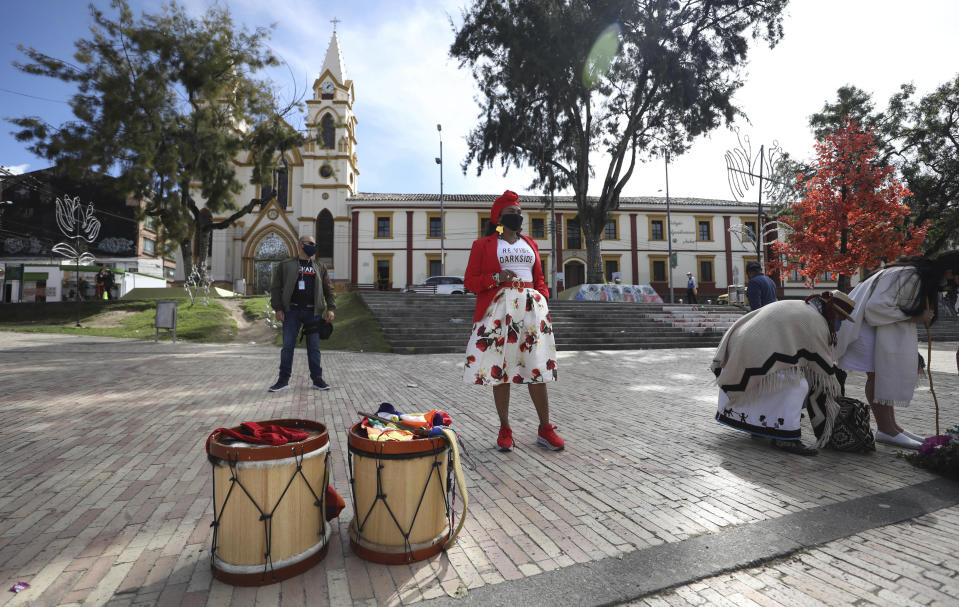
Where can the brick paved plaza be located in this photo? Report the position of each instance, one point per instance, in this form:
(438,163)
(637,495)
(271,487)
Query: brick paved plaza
(106,495)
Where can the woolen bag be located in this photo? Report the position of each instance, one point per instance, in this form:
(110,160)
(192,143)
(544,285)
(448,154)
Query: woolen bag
(851,431)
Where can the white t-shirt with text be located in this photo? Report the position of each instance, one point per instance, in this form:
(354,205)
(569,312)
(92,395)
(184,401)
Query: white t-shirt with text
(517,257)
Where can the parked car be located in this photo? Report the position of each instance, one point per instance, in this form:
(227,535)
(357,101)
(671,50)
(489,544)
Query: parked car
(440,285)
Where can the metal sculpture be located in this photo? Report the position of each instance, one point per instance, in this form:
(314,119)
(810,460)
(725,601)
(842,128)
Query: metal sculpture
(747,172)
(199,284)
(81,225)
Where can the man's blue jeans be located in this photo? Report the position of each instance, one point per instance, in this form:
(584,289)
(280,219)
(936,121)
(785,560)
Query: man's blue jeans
(292,321)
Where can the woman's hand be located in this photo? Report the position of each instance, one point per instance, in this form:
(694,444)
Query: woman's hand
(506,276)
(925,317)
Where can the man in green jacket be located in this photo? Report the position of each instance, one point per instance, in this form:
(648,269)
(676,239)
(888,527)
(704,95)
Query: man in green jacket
(300,291)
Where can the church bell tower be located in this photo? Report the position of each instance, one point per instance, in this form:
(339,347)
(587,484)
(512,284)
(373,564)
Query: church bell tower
(330,161)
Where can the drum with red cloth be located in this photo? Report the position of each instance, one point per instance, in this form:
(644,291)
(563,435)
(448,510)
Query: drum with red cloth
(269,500)
(401,497)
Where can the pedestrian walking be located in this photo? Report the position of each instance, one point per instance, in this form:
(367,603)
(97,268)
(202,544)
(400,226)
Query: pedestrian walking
(692,288)
(512,337)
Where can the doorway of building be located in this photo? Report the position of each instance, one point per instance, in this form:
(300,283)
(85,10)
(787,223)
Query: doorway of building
(324,237)
(574,273)
(271,249)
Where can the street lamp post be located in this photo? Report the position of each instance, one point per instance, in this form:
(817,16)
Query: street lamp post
(669,235)
(439,161)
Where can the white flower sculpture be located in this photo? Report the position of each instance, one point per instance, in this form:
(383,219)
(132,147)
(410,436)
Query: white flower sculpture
(77,223)
(199,283)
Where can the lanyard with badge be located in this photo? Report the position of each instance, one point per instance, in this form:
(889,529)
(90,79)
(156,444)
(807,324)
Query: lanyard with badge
(301,284)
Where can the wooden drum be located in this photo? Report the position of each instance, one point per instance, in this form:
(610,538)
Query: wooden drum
(269,507)
(401,509)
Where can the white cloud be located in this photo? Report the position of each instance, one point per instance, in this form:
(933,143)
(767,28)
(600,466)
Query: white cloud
(17,169)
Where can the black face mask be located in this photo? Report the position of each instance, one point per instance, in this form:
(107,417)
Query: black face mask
(309,249)
(513,221)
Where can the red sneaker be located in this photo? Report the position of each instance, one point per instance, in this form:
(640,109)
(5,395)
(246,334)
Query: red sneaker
(504,442)
(549,439)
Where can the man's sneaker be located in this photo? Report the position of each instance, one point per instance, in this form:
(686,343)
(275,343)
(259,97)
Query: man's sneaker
(319,384)
(281,384)
(549,439)
(504,442)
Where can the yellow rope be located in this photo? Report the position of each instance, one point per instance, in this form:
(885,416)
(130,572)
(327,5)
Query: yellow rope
(460,484)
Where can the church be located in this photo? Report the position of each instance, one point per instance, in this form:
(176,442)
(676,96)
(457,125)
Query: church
(389,241)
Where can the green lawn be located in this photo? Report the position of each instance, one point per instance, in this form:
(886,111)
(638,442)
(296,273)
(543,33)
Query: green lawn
(199,323)
(354,327)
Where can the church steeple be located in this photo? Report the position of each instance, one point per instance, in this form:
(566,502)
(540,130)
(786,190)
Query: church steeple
(333,128)
(334,61)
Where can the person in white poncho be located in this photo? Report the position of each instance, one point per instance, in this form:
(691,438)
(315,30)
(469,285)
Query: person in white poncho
(771,360)
(881,338)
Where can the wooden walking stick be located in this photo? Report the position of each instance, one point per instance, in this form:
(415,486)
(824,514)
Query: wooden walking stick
(929,366)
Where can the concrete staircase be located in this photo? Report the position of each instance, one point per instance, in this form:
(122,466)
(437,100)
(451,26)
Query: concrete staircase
(425,324)
(697,319)
(946,328)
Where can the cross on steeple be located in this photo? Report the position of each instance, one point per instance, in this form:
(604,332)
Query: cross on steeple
(334,21)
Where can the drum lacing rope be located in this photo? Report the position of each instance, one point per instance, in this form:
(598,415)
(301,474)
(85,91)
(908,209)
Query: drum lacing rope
(267,519)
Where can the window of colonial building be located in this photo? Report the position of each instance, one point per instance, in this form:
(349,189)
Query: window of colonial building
(705,267)
(384,225)
(435,226)
(537,226)
(657,228)
(749,229)
(574,234)
(704,229)
(434,265)
(611,232)
(657,268)
(483,225)
(610,265)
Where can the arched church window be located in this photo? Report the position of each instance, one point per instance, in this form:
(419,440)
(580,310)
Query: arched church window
(327,132)
(281,184)
(271,249)
(324,235)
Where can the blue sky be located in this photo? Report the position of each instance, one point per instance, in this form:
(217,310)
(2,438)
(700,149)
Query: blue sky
(396,52)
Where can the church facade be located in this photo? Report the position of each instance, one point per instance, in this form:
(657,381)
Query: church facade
(393,240)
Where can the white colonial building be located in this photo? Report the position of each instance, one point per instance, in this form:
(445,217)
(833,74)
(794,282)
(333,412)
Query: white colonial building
(392,240)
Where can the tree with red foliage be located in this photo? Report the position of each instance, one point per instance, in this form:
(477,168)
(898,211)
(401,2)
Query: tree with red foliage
(852,214)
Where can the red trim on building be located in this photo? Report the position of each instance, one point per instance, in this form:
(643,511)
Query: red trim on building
(560,284)
(634,246)
(409,247)
(729,251)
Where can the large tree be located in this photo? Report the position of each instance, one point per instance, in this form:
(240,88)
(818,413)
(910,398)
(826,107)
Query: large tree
(561,88)
(920,138)
(928,159)
(851,215)
(167,102)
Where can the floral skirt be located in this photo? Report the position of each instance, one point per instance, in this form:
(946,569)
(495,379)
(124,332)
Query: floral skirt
(513,342)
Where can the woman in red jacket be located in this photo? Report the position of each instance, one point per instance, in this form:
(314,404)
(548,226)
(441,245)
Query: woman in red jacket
(512,338)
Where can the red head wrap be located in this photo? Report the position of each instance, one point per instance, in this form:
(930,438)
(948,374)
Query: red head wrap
(508,199)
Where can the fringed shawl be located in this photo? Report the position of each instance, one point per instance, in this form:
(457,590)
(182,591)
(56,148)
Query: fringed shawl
(771,348)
